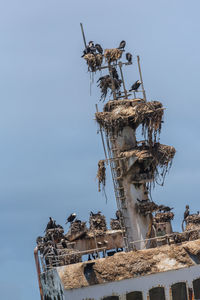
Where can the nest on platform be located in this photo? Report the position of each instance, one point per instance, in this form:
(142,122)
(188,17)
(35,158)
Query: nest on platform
(54,234)
(68,256)
(101,175)
(146,207)
(115,224)
(106,84)
(155,160)
(78,226)
(163,217)
(180,237)
(94,61)
(128,113)
(112,55)
(193,219)
(97,222)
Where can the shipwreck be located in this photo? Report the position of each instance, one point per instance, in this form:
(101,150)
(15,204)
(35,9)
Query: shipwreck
(137,256)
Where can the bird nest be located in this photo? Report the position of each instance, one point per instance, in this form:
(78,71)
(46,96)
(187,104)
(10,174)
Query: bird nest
(97,222)
(159,153)
(194,219)
(180,237)
(78,226)
(163,217)
(68,256)
(107,83)
(101,174)
(115,224)
(112,55)
(154,161)
(193,225)
(129,113)
(146,208)
(94,61)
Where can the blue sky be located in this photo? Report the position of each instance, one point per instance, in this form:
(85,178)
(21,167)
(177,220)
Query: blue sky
(49,146)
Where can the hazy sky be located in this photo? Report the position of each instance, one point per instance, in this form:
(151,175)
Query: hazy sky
(49,146)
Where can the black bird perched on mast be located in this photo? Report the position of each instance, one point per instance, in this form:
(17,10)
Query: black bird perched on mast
(122,45)
(92,47)
(51,224)
(71,218)
(135,86)
(129,57)
(114,73)
(86,51)
(99,48)
(118,214)
(187,212)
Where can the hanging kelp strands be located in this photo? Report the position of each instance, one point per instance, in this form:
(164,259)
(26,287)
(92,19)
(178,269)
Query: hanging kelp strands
(101,174)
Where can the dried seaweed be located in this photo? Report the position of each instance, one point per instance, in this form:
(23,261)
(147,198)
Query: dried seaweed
(106,83)
(78,226)
(112,55)
(146,207)
(94,61)
(193,219)
(115,224)
(163,217)
(130,113)
(101,174)
(152,162)
(97,222)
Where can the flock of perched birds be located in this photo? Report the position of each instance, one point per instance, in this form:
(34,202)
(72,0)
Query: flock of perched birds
(54,241)
(111,81)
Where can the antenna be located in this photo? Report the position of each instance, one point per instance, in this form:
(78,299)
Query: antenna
(109,67)
(83,34)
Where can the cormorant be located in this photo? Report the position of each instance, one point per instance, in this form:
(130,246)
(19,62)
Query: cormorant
(187,212)
(129,57)
(118,214)
(135,86)
(71,218)
(114,73)
(91,44)
(92,47)
(50,224)
(122,45)
(99,48)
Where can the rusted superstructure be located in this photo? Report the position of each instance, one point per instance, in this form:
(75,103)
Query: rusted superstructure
(137,257)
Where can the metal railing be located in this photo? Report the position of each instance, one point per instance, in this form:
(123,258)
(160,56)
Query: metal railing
(166,236)
(50,260)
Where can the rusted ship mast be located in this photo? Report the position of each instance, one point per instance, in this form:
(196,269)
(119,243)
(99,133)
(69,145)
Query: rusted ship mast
(139,257)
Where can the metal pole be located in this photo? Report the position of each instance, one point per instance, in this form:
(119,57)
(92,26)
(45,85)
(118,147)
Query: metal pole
(83,34)
(104,148)
(38,271)
(144,94)
(120,67)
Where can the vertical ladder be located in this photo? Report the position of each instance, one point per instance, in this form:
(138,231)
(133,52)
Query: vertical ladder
(119,191)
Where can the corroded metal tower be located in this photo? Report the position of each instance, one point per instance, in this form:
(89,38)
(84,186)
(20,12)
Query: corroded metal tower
(134,165)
